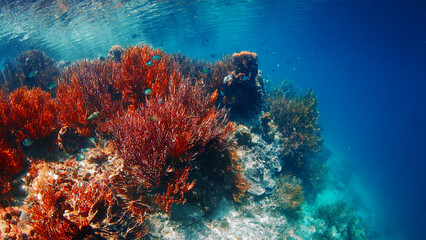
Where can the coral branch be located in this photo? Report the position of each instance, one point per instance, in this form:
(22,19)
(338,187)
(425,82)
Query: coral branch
(33,114)
(88,87)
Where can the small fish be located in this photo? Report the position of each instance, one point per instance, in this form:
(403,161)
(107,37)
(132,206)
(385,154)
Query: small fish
(205,70)
(149,63)
(80,157)
(93,115)
(32,74)
(154,118)
(222,93)
(84,150)
(156,57)
(51,86)
(244,78)
(27,142)
(160,101)
(92,140)
(148,91)
(134,35)
(213,55)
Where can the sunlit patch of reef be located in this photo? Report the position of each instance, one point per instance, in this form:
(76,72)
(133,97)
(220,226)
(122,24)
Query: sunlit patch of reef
(146,144)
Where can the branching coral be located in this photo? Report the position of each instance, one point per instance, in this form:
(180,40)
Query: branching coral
(11,163)
(33,114)
(297,120)
(85,88)
(219,174)
(242,89)
(34,69)
(210,74)
(158,136)
(245,66)
(296,117)
(289,195)
(144,68)
(65,207)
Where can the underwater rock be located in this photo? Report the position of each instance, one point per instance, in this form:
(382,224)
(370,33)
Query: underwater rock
(261,161)
(115,53)
(96,155)
(243,88)
(250,221)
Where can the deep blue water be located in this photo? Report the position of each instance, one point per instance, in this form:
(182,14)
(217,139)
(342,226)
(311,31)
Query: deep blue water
(365,60)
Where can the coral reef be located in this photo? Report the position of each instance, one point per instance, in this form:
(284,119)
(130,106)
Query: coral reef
(260,160)
(289,196)
(184,124)
(245,66)
(340,221)
(140,72)
(11,163)
(219,174)
(70,139)
(210,74)
(33,114)
(33,69)
(86,88)
(69,201)
(296,117)
(144,132)
(243,88)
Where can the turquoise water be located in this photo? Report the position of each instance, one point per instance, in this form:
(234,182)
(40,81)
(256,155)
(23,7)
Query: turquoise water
(364,59)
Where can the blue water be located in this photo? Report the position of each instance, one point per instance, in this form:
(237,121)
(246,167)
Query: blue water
(365,60)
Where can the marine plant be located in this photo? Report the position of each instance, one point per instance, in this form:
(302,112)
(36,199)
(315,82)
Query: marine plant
(211,74)
(88,95)
(62,209)
(33,114)
(66,205)
(159,140)
(11,163)
(289,196)
(33,68)
(296,117)
(243,89)
(219,174)
(145,69)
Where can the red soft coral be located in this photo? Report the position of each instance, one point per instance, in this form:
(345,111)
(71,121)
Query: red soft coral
(87,87)
(170,131)
(141,71)
(33,114)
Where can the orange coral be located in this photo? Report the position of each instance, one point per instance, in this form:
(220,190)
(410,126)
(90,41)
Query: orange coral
(11,163)
(175,190)
(184,120)
(245,65)
(65,209)
(33,114)
(87,87)
(139,72)
(297,119)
